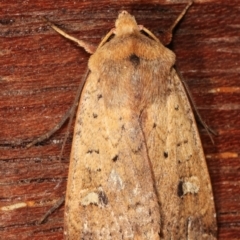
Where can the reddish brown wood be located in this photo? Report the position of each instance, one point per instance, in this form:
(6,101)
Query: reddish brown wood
(39,75)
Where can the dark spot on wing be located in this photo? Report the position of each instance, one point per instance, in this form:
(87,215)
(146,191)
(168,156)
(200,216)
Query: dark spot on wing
(165,154)
(102,197)
(179,189)
(115,158)
(95,115)
(90,151)
(135,60)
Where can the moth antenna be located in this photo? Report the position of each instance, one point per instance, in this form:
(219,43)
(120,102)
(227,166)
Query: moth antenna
(169,32)
(90,48)
(180,17)
(141,27)
(111,32)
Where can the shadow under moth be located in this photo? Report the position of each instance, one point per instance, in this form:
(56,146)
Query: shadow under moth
(137,167)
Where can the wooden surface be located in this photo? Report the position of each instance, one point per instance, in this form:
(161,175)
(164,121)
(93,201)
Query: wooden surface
(39,75)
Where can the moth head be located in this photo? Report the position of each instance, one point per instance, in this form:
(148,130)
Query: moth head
(125,24)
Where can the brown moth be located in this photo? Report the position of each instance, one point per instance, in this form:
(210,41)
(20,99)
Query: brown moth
(137,168)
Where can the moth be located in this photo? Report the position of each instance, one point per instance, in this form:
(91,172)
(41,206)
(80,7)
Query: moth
(137,167)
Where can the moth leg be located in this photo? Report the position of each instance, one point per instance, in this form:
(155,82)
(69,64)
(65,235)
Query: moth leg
(53,130)
(90,48)
(51,210)
(169,32)
(69,113)
(197,114)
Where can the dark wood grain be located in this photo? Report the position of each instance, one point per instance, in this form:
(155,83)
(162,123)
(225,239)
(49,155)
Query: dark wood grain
(39,75)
